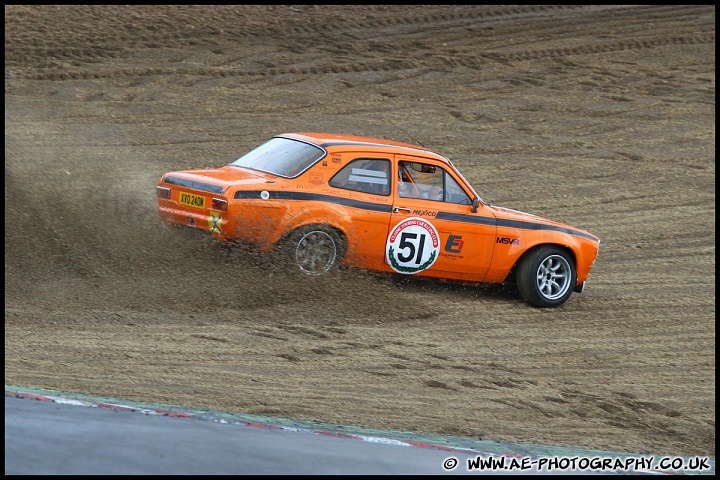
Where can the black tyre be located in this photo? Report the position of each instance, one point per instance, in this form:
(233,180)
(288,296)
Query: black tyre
(315,249)
(546,276)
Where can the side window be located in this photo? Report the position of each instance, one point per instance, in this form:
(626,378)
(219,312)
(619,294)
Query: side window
(422,180)
(454,192)
(368,175)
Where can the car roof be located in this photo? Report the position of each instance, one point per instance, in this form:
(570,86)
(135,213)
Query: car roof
(326,140)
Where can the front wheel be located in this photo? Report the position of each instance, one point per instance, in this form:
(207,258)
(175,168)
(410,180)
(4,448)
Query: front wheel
(546,276)
(315,249)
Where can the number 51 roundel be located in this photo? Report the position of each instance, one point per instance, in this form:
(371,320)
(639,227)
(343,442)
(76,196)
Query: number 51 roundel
(413,246)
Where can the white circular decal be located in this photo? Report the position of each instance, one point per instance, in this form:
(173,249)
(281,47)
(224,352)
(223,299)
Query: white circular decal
(264,194)
(413,246)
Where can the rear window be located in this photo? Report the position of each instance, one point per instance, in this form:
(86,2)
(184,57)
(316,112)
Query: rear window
(284,157)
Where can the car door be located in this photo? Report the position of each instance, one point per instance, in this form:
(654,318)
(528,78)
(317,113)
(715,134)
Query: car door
(433,231)
(363,186)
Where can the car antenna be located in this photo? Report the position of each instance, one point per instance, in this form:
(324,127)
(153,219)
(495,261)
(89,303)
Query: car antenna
(407,135)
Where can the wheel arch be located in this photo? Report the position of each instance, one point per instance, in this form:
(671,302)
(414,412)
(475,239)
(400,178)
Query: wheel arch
(283,240)
(511,277)
(327,215)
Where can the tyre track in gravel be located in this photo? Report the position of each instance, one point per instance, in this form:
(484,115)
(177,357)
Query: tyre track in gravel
(443,23)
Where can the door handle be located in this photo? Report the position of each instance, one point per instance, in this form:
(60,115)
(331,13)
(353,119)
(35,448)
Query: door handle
(397,209)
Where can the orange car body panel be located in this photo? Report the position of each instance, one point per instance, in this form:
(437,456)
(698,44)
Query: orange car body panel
(262,208)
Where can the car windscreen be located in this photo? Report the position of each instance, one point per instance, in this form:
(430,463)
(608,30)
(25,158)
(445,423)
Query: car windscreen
(281,156)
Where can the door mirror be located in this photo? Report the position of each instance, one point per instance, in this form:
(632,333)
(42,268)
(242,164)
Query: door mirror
(422,167)
(475,204)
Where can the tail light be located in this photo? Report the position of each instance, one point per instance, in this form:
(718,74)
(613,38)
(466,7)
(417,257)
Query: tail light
(162,192)
(219,204)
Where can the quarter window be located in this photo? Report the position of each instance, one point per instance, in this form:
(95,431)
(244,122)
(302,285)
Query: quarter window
(368,175)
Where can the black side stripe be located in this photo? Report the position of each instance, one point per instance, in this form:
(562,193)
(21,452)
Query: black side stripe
(512,224)
(459,217)
(542,226)
(379,207)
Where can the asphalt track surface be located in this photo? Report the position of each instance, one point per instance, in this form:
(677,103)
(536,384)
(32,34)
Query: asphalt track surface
(47,433)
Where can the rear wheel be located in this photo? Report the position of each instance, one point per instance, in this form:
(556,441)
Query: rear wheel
(546,276)
(315,249)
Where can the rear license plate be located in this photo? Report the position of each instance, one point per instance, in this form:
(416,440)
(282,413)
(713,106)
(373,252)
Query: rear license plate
(192,200)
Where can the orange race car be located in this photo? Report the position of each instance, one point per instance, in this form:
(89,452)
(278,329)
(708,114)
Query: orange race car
(330,200)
